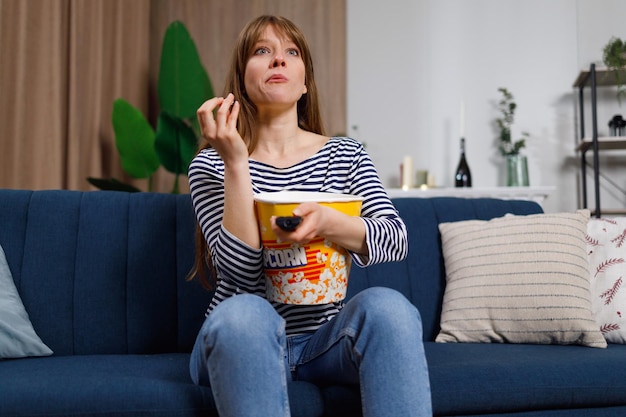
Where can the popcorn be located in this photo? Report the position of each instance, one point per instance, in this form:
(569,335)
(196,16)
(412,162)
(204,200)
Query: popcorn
(319,277)
(321,258)
(315,273)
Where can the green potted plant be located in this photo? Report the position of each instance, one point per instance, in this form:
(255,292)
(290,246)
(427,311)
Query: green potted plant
(614,57)
(183,85)
(517,165)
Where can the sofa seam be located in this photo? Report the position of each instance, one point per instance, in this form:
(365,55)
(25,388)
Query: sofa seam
(179,343)
(27,221)
(126,271)
(74,295)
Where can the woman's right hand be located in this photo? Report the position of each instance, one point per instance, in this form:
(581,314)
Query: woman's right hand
(221,131)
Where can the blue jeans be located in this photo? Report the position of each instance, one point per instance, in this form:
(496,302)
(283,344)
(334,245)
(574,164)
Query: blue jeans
(242,352)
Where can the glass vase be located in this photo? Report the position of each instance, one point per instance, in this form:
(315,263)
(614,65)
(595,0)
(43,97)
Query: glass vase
(517,171)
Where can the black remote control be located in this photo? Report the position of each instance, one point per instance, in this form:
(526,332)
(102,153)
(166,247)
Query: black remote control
(288,223)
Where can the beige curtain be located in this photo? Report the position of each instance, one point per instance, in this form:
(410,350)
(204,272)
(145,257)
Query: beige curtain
(109,44)
(33,93)
(64,62)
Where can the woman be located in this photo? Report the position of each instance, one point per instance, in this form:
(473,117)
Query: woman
(266,135)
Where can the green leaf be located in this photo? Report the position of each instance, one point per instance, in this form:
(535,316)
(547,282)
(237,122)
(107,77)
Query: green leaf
(183,83)
(112,185)
(134,139)
(176,143)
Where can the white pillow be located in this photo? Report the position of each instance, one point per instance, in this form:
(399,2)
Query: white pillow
(518,279)
(17,336)
(606,246)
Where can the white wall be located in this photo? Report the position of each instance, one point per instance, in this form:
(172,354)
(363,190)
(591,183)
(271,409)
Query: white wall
(412,62)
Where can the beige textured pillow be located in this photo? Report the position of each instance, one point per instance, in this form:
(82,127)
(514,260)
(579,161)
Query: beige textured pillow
(518,279)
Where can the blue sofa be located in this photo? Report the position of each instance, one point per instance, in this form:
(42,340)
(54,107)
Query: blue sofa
(102,276)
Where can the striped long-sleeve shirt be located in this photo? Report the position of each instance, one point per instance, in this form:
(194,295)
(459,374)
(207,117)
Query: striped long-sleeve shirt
(341,166)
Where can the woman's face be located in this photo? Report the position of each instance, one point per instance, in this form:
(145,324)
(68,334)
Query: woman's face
(275,73)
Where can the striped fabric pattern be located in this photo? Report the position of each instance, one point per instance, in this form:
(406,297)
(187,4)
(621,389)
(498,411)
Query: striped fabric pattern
(341,166)
(518,279)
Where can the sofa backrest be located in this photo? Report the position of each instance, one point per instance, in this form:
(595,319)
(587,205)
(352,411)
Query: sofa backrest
(104,272)
(421,277)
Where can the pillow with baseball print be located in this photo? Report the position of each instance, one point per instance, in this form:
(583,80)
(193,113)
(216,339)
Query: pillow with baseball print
(606,248)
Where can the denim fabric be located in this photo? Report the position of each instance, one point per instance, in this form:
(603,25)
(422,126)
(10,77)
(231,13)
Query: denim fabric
(240,354)
(243,354)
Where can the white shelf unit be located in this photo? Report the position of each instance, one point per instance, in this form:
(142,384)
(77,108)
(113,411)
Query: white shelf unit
(533,193)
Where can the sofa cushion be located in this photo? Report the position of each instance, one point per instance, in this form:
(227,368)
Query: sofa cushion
(18,339)
(485,378)
(518,279)
(104,272)
(606,246)
(119,385)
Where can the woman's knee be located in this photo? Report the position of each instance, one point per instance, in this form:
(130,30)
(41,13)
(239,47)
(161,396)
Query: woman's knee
(389,308)
(242,317)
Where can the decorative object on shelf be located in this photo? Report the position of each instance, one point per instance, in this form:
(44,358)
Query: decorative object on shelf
(421,178)
(517,171)
(517,164)
(183,85)
(406,173)
(617,126)
(614,57)
(463,176)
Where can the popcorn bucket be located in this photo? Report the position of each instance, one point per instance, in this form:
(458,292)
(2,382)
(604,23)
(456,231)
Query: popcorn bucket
(314,273)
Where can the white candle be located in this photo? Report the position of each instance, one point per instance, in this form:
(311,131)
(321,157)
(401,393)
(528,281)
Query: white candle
(407,173)
(462,121)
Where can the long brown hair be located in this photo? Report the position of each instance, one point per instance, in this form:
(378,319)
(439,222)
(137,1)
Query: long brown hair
(309,115)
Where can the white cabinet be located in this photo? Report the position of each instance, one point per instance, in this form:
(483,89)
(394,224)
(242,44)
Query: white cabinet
(535,193)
